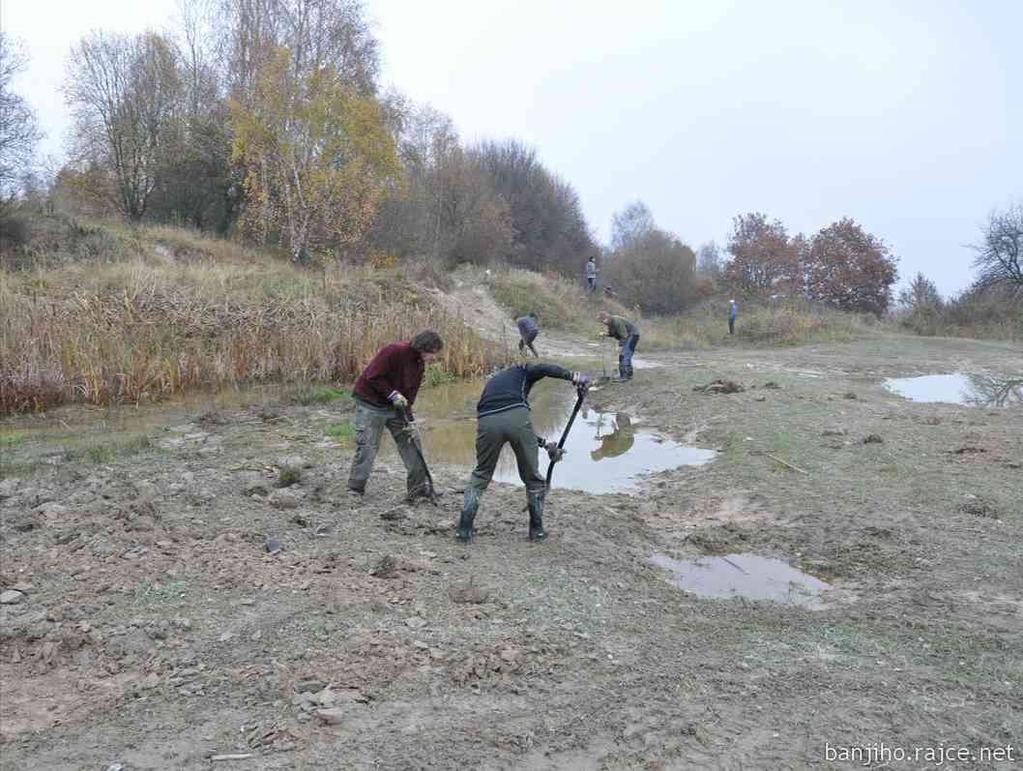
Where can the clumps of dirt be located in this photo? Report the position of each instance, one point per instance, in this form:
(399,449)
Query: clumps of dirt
(711,511)
(725,539)
(873,439)
(288,476)
(869,551)
(502,659)
(967,450)
(329,706)
(470,593)
(834,431)
(211,418)
(720,387)
(386,567)
(269,413)
(772,385)
(977,507)
(850,395)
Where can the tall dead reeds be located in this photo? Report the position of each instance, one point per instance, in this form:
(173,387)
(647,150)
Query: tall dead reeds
(145,329)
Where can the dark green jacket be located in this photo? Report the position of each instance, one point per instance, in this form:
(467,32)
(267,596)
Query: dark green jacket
(621,328)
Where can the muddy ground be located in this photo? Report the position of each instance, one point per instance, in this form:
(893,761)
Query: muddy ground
(151,628)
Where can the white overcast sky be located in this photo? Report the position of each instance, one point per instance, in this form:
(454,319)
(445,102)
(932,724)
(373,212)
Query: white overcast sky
(904,114)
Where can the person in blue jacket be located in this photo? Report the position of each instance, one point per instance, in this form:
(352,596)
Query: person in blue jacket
(733,311)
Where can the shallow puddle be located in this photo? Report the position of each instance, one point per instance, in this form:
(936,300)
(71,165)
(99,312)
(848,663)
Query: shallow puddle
(957,388)
(645,364)
(745,575)
(606,452)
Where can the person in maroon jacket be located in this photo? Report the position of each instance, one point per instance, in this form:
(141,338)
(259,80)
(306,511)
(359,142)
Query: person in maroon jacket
(386,389)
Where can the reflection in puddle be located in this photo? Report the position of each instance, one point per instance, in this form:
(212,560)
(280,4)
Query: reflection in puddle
(745,575)
(605,451)
(971,390)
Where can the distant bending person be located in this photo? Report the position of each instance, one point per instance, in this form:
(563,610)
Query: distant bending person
(627,335)
(529,328)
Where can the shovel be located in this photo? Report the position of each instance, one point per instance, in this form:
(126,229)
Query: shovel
(581,394)
(556,456)
(414,434)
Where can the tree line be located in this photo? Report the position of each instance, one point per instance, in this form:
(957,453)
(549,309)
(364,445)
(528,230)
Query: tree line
(265,120)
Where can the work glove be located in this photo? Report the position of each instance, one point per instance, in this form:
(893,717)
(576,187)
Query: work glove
(554,452)
(398,400)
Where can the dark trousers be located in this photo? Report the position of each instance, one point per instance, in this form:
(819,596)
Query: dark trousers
(625,356)
(493,432)
(731,325)
(527,341)
(591,283)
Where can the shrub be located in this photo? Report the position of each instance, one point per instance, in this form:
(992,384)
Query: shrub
(655,272)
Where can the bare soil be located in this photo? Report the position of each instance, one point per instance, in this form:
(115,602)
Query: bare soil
(155,630)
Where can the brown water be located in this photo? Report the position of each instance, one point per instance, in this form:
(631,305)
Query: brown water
(745,575)
(606,452)
(971,390)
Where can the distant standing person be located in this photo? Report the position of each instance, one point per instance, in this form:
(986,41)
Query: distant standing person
(733,311)
(591,274)
(627,335)
(529,328)
(384,395)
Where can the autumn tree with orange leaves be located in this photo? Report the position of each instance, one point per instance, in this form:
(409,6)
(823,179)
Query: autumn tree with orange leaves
(850,269)
(763,258)
(317,158)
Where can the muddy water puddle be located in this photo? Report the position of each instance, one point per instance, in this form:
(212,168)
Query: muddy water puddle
(749,576)
(607,452)
(958,388)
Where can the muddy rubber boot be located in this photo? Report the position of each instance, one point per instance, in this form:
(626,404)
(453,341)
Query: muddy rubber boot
(470,505)
(536,531)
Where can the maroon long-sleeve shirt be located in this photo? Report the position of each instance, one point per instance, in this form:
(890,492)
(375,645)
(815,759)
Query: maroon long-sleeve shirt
(396,367)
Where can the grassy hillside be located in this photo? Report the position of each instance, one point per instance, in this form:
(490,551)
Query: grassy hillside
(564,305)
(107,314)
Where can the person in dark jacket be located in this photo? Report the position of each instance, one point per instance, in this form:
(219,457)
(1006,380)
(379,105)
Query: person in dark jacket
(384,395)
(503,418)
(528,330)
(627,335)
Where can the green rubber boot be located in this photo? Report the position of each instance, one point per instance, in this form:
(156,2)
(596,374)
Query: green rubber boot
(470,505)
(536,531)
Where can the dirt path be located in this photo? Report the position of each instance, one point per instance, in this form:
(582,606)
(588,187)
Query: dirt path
(471,299)
(153,629)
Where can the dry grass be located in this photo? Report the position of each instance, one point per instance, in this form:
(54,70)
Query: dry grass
(793,324)
(564,305)
(184,312)
(560,304)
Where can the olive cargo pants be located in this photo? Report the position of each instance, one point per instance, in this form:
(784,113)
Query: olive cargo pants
(370,422)
(513,427)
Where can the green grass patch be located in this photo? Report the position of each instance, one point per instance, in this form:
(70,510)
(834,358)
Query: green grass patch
(342,433)
(147,591)
(9,440)
(108,452)
(18,470)
(320,395)
(436,375)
